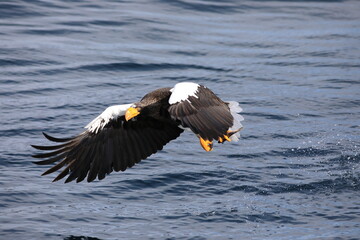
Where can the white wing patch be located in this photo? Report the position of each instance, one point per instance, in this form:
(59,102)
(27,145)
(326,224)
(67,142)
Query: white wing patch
(182,91)
(104,118)
(235,109)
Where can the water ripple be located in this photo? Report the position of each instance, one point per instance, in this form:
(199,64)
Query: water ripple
(337,185)
(131,66)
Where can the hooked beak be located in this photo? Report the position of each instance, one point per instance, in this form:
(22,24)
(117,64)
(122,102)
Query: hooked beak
(131,112)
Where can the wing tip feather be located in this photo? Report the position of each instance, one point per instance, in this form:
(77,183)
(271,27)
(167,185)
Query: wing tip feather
(54,139)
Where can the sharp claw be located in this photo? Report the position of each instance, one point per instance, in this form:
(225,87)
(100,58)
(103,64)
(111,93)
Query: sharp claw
(229,133)
(206,144)
(227,138)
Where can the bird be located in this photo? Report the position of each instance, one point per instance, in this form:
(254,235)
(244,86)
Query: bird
(123,135)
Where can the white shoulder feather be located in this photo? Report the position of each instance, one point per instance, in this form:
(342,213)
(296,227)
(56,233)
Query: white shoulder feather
(181,91)
(105,117)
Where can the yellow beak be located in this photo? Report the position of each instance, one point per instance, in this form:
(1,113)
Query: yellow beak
(131,112)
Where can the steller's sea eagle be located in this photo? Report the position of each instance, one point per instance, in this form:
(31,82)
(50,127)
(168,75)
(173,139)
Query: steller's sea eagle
(124,134)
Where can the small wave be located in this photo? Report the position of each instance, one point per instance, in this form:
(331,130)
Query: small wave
(269,116)
(36,91)
(345,159)
(23,62)
(233,215)
(271,217)
(343,81)
(194,183)
(221,216)
(313,64)
(115,67)
(189,53)
(303,152)
(131,66)
(16,10)
(287,152)
(17,132)
(109,23)
(336,185)
(71,237)
(283,136)
(204,6)
(59,32)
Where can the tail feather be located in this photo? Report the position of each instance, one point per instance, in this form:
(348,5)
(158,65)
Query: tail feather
(235,109)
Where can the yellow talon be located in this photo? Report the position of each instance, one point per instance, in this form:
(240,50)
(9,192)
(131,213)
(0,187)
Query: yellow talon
(229,133)
(206,144)
(227,138)
(220,140)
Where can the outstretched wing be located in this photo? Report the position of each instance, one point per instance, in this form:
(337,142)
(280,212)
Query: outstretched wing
(109,143)
(199,109)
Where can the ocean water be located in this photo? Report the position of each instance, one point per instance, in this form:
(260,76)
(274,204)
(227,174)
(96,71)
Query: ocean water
(293,66)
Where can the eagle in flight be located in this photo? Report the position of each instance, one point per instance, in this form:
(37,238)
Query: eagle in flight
(125,134)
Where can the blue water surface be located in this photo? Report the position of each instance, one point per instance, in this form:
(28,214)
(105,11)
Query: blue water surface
(294,67)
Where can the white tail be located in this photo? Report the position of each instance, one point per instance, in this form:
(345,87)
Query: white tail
(235,109)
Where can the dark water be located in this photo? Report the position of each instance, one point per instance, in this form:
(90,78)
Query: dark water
(293,65)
